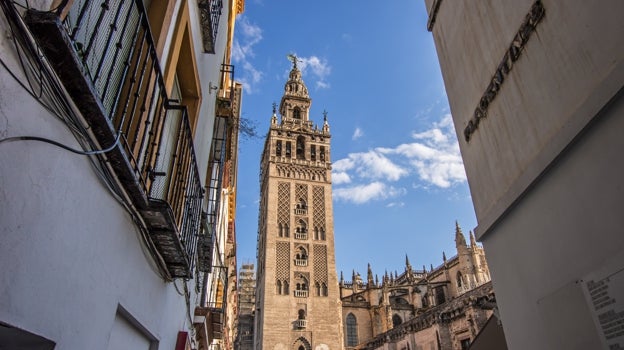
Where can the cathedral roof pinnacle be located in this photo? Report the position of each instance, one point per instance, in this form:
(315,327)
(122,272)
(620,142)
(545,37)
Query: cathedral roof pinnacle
(444,256)
(460,240)
(473,241)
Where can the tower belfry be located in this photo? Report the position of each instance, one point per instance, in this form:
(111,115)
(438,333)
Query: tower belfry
(297,301)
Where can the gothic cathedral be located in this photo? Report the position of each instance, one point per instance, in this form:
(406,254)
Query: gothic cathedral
(297,301)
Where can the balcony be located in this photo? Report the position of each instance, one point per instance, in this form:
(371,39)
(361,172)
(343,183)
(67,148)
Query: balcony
(105,56)
(209,14)
(301,262)
(301,235)
(301,293)
(301,324)
(301,211)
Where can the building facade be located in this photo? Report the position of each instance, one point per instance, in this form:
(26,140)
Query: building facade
(440,308)
(535,90)
(297,300)
(118,145)
(246,307)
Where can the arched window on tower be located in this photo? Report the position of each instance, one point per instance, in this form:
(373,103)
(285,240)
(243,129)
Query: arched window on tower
(297,113)
(279,287)
(288,147)
(459,279)
(322,234)
(396,320)
(323,290)
(316,233)
(313,152)
(352,334)
(285,288)
(278,148)
(317,288)
(280,231)
(300,147)
(322,155)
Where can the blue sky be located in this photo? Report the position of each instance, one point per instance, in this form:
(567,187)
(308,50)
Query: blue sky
(398,179)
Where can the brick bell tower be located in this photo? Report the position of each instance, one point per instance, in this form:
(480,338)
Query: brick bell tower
(297,300)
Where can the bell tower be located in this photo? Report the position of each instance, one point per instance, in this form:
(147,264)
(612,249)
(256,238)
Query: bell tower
(297,301)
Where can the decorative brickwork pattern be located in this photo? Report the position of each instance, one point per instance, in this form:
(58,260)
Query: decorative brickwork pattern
(301,192)
(282,258)
(283,209)
(318,207)
(320,263)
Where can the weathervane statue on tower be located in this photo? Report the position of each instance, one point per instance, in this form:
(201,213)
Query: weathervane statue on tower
(294,59)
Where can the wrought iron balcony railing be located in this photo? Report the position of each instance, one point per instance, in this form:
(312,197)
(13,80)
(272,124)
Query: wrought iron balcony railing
(301,211)
(301,262)
(301,235)
(105,55)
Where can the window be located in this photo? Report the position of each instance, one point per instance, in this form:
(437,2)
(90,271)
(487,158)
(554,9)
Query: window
(322,153)
(300,147)
(285,288)
(439,294)
(317,288)
(352,337)
(279,287)
(324,290)
(278,148)
(313,152)
(459,279)
(288,147)
(297,113)
(301,314)
(396,320)
(465,343)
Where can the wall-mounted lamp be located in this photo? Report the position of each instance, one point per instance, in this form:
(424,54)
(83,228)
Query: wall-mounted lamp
(211,87)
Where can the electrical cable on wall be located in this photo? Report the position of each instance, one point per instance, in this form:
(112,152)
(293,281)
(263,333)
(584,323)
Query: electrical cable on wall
(45,87)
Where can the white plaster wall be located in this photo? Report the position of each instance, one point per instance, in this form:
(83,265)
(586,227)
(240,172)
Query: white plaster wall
(69,252)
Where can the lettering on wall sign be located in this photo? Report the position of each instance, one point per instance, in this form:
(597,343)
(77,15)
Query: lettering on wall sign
(528,26)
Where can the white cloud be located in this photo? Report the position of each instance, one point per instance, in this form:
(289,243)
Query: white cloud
(243,51)
(433,160)
(357,133)
(395,204)
(340,178)
(365,193)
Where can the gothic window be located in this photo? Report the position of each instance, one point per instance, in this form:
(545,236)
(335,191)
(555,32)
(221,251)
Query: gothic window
(286,233)
(459,279)
(301,257)
(285,288)
(280,231)
(279,287)
(300,147)
(288,147)
(302,228)
(297,113)
(322,234)
(301,314)
(439,294)
(313,152)
(324,290)
(396,320)
(322,155)
(317,288)
(278,148)
(316,233)
(302,204)
(352,336)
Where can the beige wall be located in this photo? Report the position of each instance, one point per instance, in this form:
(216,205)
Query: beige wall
(545,166)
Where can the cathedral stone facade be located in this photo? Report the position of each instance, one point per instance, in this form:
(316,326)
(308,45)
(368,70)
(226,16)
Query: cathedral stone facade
(297,298)
(436,308)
